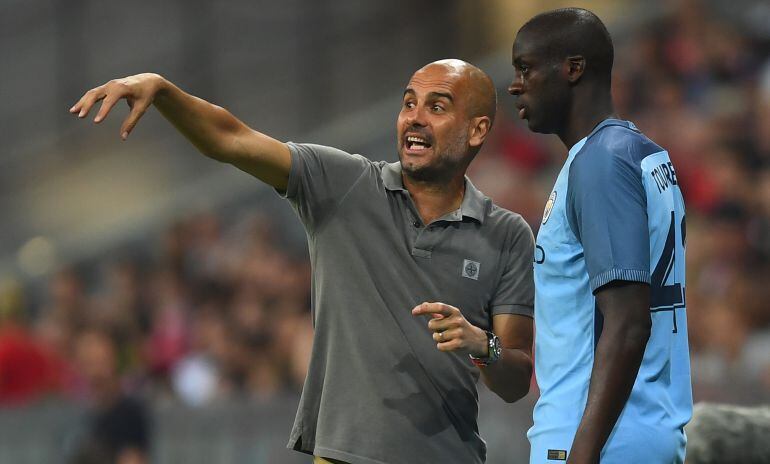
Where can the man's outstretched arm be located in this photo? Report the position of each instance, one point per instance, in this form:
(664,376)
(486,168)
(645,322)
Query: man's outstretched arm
(212,129)
(625,307)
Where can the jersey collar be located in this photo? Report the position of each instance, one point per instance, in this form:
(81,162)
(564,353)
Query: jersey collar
(607,122)
(613,122)
(473,205)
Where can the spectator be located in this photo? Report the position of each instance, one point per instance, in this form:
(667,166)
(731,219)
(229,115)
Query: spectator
(119,424)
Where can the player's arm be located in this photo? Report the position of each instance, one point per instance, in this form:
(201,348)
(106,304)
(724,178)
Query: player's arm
(625,307)
(212,129)
(607,211)
(510,376)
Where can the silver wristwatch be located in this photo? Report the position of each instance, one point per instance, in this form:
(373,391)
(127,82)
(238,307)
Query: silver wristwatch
(494,353)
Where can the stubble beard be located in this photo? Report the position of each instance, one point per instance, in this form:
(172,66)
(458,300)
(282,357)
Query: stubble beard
(444,167)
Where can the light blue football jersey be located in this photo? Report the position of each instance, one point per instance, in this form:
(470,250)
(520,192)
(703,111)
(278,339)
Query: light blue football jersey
(615,213)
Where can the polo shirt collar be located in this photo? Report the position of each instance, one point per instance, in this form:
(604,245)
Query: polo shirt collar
(474,202)
(473,205)
(391,176)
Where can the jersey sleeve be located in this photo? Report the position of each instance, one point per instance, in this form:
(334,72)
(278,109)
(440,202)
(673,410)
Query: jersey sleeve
(319,179)
(515,293)
(607,211)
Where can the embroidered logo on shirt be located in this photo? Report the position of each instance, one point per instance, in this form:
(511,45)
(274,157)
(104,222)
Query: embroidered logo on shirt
(549,206)
(557,455)
(471,269)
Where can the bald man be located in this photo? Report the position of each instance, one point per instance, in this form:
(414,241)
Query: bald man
(420,283)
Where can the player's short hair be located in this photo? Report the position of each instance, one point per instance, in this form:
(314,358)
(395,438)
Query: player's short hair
(574,31)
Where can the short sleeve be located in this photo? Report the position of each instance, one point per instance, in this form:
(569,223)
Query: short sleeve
(515,294)
(607,211)
(319,179)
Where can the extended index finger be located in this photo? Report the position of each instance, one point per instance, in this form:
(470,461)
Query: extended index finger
(436,309)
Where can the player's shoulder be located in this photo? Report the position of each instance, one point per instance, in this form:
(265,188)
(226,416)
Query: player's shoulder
(614,149)
(619,140)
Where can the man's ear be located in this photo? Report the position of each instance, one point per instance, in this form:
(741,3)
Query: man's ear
(576,65)
(479,130)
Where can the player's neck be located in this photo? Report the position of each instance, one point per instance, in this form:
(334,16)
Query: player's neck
(587,111)
(435,199)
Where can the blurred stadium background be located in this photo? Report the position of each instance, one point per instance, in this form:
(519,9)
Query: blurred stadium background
(145,272)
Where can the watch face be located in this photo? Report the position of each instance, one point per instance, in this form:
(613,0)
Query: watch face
(496,350)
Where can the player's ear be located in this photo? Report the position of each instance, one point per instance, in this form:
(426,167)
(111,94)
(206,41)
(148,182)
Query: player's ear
(575,65)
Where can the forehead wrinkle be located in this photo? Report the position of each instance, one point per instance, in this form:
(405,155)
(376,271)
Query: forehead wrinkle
(431,86)
(433,83)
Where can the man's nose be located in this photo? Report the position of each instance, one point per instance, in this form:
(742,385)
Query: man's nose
(416,117)
(515,87)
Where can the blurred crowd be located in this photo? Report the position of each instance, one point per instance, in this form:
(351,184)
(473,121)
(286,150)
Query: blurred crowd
(219,308)
(214,313)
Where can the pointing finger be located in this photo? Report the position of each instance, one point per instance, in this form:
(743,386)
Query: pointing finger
(434,309)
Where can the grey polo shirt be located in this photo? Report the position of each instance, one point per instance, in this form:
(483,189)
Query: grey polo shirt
(377,389)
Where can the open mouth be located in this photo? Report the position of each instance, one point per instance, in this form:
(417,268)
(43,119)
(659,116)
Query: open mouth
(415,143)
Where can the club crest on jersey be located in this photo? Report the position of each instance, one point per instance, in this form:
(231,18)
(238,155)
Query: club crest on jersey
(471,269)
(549,206)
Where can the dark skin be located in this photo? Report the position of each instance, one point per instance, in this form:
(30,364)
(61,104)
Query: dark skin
(627,323)
(556,95)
